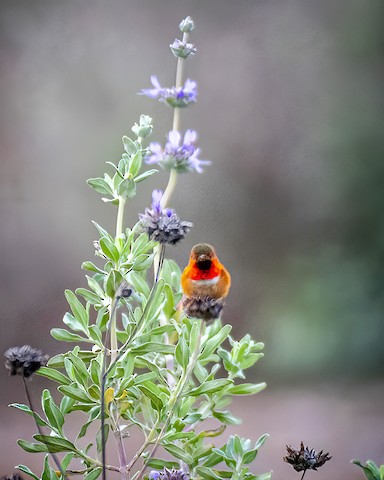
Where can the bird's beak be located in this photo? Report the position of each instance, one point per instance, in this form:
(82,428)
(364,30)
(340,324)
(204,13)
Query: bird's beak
(202,258)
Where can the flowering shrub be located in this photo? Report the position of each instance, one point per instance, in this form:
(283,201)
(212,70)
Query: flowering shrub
(141,362)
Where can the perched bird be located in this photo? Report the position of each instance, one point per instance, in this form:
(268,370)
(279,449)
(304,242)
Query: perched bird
(204,276)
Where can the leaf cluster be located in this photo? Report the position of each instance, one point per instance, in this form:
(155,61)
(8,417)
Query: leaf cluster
(371,470)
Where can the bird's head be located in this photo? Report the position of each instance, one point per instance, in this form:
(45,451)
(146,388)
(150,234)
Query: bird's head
(203,255)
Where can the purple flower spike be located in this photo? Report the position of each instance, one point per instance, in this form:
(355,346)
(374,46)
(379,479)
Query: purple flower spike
(177,154)
(163,225)
(175,97)
(168,474)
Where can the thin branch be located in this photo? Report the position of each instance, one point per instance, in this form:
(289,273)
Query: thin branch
(55,459)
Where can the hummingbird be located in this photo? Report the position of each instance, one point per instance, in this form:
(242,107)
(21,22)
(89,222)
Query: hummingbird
(205,276)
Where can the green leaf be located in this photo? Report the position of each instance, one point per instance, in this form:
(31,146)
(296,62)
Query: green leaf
(100,186)
(80,368)
(129,146)
(75,393)
(127,188)
(250,359)
(370,471)
(207,473)
(182,350)
(118,174)
(246,388)
(114,279)
(159,464)
(153,347)
(109,249)
(138,283)
(32,447)
(264,476)
(58,360)
(142,262)
(135,163)
(145,175)
(56,444)
(92,283)
(89,296)
(64,336)
(27,471)
(78,310)
(48,473)
(66,404)
(249,456)
(178,453)
(194,336)
(54,375)
(66,461)
(93,474)
(226,417)
(91,267)
(26,409)
(95,334)
(211,386)
(53,414)
(260,441)
(139,245)
(152,393)
(102,231)
(216,340)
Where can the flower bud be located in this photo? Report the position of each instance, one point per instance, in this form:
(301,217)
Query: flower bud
(182,49)
(144,128)
(187,25)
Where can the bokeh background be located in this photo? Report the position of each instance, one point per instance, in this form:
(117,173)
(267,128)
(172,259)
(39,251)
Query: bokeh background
(291,113)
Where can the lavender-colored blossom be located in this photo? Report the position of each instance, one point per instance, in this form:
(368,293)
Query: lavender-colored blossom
(169,474)
(174,96)
(163,225)
(177,154)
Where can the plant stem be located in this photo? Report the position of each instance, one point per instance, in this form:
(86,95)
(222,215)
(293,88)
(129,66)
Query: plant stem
(113,333)
(103,381)
(55,459)
(113,337)
(120,217)
(303,475)
(175,126)
(120,450)
(96,463)
(170,187)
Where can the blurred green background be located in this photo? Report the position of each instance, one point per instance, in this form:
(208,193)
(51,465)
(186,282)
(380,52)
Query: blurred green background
(291,113)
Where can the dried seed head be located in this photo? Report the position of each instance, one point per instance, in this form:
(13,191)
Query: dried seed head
(305,458)
(15,476)
(24,360)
